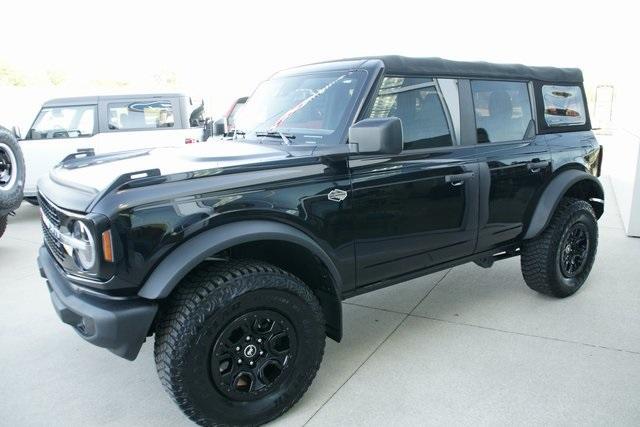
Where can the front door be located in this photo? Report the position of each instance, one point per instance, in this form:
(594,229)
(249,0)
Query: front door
(416,209)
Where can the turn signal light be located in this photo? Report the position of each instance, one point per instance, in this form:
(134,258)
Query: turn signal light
(107,246)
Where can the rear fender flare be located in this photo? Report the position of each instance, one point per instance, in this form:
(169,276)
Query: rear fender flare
(556,190)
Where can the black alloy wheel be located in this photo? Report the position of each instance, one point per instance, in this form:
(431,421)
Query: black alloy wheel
(574,249)
(253,354)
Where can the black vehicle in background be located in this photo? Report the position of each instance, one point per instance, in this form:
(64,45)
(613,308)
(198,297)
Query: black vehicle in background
(340,178)
(11,176)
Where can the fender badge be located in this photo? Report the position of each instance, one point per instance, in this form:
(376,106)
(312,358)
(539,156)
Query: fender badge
(337,195)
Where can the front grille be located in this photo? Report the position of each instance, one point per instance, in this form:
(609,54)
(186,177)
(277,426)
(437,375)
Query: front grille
(55,217)
(54,246)
(49,211)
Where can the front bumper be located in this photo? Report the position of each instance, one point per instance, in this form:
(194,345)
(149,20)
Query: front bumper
(119,325)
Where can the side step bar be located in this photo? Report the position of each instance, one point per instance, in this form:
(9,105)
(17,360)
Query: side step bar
(487,261)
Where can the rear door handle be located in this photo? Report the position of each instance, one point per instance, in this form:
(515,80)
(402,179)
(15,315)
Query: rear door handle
(458,179)
(536,167)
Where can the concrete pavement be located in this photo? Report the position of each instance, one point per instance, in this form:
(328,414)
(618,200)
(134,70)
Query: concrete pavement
(467,346)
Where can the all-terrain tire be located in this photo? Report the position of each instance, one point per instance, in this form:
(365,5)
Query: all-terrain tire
(11,191)
(194,321)
(543,266)
(3,224)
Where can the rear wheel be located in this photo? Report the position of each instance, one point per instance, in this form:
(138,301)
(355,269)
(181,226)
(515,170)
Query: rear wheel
(239,343)
(558,261)
(11,171)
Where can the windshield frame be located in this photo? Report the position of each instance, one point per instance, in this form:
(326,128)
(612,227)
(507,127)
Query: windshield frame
(339,135)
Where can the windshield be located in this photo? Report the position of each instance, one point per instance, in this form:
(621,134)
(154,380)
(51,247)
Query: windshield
(312,108)
(64,122)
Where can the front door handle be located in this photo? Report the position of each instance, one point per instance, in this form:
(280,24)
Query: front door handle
(458,179)
(536,167)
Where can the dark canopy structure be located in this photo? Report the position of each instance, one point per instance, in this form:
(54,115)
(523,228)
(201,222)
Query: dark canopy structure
(439,67)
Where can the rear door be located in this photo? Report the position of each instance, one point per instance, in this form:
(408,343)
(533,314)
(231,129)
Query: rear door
(514,161)
(136,123)
(56,133)
(416,209)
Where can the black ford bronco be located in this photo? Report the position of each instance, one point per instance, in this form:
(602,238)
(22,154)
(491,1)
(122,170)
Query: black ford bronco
(340,178)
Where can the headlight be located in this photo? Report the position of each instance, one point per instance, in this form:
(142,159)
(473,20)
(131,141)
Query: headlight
(84,253)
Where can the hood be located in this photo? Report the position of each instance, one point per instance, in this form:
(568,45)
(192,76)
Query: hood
(76,183)
(97,173)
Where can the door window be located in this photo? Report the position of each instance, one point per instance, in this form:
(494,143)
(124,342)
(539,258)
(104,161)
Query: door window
(416,101)
(563,105)
(502,109)
(64,122)
(155,114)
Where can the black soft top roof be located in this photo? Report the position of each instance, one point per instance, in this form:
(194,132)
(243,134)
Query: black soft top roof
(439,67)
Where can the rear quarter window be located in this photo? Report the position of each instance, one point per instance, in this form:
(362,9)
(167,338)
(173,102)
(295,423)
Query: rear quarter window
(563,106)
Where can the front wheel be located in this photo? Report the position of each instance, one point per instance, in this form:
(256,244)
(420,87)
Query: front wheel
(558,261)
(239,343)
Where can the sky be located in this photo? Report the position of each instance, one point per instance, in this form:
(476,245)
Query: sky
(222,50)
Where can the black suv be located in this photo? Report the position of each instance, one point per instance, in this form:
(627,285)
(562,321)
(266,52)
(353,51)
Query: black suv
(340,178)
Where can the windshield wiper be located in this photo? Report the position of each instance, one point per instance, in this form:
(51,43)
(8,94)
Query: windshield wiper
(286,137)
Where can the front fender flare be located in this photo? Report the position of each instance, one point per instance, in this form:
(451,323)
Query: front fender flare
(192,252)
(551,196)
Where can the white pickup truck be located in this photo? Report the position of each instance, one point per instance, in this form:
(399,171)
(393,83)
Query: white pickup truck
(106,124)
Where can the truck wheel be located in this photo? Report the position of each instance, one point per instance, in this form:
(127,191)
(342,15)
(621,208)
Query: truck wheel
(3,224)
(11,171)
(239,343)
(558,261)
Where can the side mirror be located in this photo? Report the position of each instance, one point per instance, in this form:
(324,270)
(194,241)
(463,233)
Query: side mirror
(17,133)
(207,130)
(377,136)
(220,127)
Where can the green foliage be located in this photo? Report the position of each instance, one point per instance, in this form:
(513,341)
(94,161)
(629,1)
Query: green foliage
(11,77)
(56,78)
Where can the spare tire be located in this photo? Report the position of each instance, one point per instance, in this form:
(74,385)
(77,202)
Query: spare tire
(11,172)
(3,224)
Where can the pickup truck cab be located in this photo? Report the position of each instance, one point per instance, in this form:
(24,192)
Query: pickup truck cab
(340,178)
(106,124)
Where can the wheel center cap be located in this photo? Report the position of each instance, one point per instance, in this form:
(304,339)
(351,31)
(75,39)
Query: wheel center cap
(250,350)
